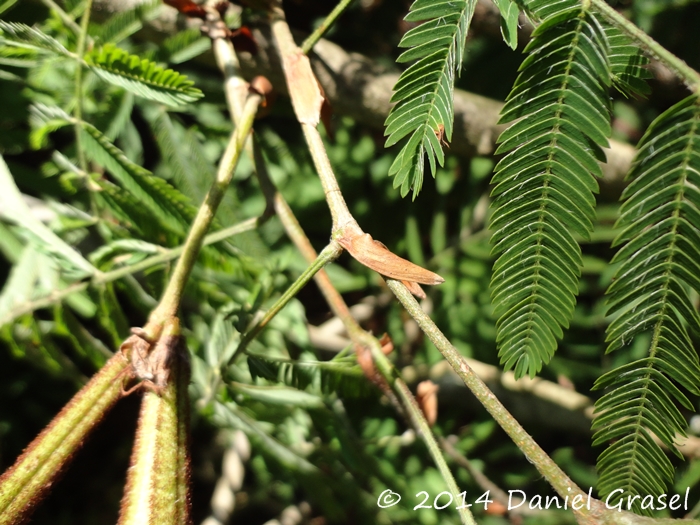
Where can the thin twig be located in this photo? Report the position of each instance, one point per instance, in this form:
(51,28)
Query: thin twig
(339,209)
(544,464)
(325,26)
(328,254)
(235,88)
(485,483)
(420,425)
(170,301)
(342,218)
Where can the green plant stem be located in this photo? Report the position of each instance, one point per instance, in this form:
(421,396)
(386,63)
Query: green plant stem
(649,45)
(78,113)
(108,277)
(328,254)
(23,484)
(301,241)
(170,301)
(314,37)
(229,65)
(534,453)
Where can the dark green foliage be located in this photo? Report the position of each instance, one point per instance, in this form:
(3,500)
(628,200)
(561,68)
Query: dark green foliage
(125,23)
(342,375)
(545,184)
(659,218)
(424,91)
(320,431)
(173,209)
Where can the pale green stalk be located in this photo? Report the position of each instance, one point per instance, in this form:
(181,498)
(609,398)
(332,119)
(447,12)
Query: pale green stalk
(170,301)
(314,37)
(534,453)
(328,254)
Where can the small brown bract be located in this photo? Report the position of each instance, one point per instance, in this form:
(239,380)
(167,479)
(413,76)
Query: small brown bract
(150,365)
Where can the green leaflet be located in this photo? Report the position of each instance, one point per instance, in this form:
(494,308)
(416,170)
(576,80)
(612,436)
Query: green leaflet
(509,21)
(650,294)
(424,110)
(146,196)
(545,184)
(141,76)
(6,4)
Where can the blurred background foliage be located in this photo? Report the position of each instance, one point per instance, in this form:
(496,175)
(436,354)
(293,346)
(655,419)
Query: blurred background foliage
(319,433)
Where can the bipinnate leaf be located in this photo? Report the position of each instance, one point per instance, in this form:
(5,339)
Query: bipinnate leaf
(544,186)
(157,488)
(23,485)
(141,76)
(651,294)
(146,194)
(423,94)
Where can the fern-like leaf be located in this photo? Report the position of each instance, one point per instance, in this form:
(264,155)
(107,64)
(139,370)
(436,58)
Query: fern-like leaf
(173,209)
(169,206)
(141,76)
(545,185)
(423,93)
(341,375)
(22,36)
(650,293)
